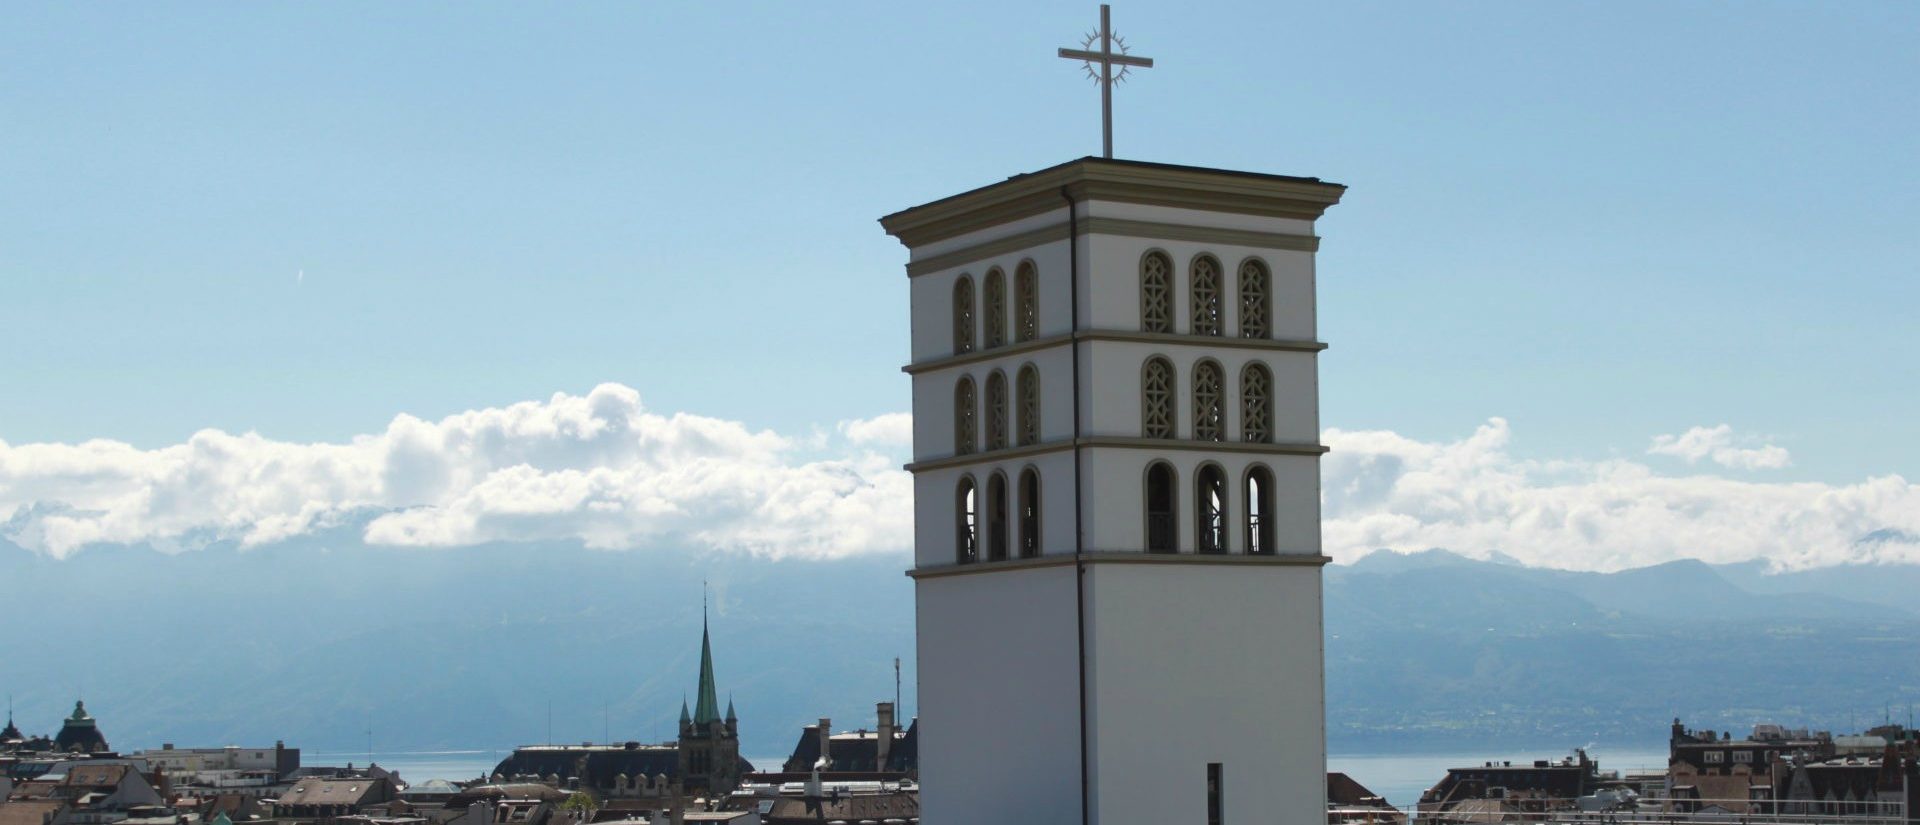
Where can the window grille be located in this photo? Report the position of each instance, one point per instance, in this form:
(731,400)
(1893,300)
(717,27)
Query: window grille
(1029,387)
(1260,511)
(963,315)
(1256,404)
(997,410)
(1026,302)
(1156,293)
(996,309)
(1156,386)
(1255,298)
(1206,296)
(1209,414)
(964,425)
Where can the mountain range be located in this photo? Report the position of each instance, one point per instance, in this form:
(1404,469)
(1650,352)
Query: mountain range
(334,646)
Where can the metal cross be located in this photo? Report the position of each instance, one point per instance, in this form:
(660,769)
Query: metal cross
(1107,58)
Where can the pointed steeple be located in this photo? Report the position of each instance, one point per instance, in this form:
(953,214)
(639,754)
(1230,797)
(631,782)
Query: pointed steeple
(707,706)
(685,718)
(730,717)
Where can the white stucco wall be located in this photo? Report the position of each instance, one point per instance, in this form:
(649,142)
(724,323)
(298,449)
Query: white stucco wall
(1192,664)
(999,698)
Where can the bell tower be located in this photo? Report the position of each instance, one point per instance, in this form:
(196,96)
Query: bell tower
(1116,496)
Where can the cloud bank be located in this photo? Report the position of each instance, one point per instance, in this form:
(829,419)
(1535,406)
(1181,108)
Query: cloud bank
(603,470)
(599,468)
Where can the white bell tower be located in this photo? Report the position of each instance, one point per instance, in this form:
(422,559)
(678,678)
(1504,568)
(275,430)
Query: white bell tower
(1116,497)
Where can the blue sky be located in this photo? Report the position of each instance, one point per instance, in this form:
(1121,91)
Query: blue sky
(1600,222)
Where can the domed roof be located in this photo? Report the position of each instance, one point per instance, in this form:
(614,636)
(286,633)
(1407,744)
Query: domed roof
(80,733)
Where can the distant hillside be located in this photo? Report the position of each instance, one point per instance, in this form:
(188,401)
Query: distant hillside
(317,639)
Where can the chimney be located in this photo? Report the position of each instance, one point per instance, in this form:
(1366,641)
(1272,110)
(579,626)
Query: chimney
(885,744)
(826,741)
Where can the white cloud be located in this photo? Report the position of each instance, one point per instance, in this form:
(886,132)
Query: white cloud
(889,430)
(597,468)
(603,470)
(1473,496)
(1719,445)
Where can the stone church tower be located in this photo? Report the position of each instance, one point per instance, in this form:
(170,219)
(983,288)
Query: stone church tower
(1116,496)
(709,745)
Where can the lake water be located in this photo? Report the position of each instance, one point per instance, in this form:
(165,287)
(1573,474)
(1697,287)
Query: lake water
(1400,777)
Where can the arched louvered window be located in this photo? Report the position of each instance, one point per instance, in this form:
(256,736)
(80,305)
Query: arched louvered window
(967,537)
(965,425)
(1156,293)
(1206,295)
(963,315)
(1259,537)
(996,308)
(1209,406)
(1026,302)
(1156,398)
(1210,504)
(1256,404)
(997,517)
(1161,520)
(1029,513)
(1256,299)
(1029,387)
(996,410)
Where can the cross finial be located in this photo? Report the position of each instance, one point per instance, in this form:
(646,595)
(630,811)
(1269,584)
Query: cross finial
(1107,58)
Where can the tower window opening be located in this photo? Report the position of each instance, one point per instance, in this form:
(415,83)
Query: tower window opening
(967,544)
(1214,806)
(1156,293)
(996,309)
(1029,387)
(1206,295)
(1256,404)
(1156,398)
(965,428)
(1260,527)
(963,315)
(1029,514)
(1160,512)
(996,410)
(1026,302)
(1211,500)
(997,518)
(1255,299)
(1209,407)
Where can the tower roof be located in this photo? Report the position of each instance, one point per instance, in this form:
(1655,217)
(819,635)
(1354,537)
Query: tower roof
(706,708)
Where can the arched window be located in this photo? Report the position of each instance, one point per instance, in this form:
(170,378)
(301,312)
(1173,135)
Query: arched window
(1256,407)
(1156,293)
(1029,387)
(1026,302)
(1029,513)
(1260,511)
(996,309)
(1160,502)
(996,410)
(965,428)
(967,538)
(997,517)
(1209,407)
(963,315)
(1156,398)
(1210,505)
(1206,295)
(1255,299)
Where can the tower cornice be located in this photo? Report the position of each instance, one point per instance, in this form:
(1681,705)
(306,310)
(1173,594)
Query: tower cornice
(1124,181)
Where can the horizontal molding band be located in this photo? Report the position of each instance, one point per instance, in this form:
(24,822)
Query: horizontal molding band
(1120,335)
(1112,226)
(1119,557)
(1121,443)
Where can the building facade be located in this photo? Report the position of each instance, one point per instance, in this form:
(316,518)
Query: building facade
(1116,496)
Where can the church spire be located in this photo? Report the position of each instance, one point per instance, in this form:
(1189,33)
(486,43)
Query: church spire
(707,707)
